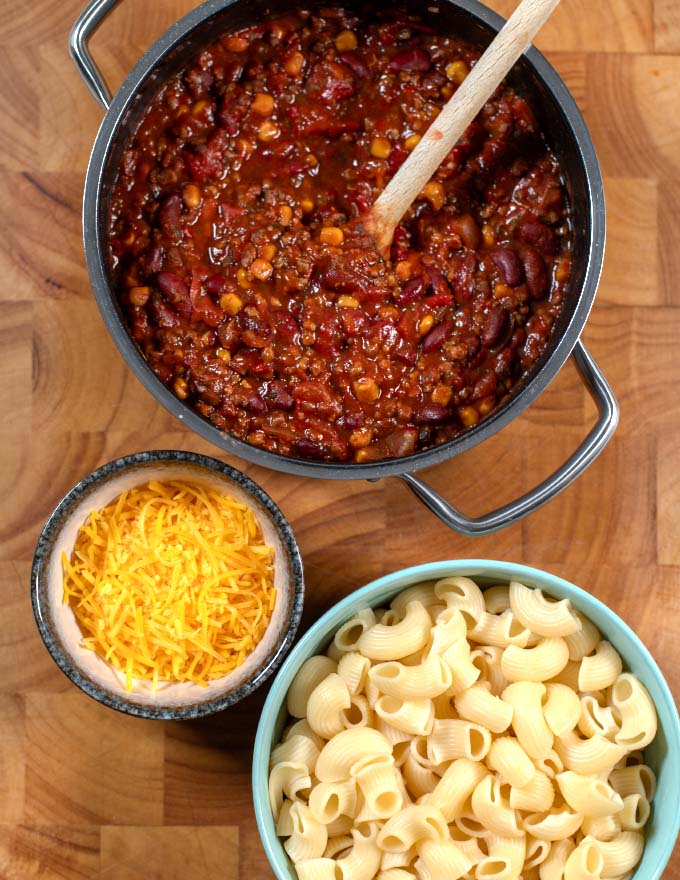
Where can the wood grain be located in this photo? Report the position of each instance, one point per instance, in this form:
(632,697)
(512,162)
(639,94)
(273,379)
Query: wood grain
(88,794)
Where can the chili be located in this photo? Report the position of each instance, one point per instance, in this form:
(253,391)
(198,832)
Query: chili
(239,264)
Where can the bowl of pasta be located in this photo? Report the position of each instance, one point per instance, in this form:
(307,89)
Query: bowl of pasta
(468,719)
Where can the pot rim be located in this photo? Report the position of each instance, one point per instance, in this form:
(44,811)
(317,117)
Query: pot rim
(96,261)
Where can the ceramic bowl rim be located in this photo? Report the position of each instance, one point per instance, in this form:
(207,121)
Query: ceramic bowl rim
(375,592)
(61,514)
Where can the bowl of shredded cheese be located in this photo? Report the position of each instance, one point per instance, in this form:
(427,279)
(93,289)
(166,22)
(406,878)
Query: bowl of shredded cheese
(167,585)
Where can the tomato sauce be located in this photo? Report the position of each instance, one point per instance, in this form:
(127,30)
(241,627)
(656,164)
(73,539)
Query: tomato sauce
(244,281)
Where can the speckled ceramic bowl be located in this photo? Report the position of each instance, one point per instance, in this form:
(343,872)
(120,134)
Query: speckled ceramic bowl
(663,755)
(57,623)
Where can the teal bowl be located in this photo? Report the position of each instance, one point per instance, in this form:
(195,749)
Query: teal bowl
(663,755)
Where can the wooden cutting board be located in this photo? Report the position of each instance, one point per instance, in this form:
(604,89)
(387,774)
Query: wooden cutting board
(87,793)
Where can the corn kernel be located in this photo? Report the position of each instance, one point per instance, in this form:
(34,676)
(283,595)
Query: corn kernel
(442,395)
(268,131)
(360,439)
(457,71)
(412,141)
(446,92)
(236,44)
(242,278)
(332,235)
(263,104)
(199,107)
(262,269)
(563,270)
(403,270)
(485,405)
(468,416)
(501,290)
(231,303)
(139,296)
(488,236)
(294,64)
(311,160)
(285,214)
(267,252)
(380,148)
(362,455)
(130,238)
(180,388)
(366,390)
(389,313)
(425,324)
(191,195)
(434,193)
(346,41)
(223,354)
(347,302)
(307,205)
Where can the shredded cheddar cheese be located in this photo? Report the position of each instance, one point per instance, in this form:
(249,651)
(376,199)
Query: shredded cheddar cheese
(171,582)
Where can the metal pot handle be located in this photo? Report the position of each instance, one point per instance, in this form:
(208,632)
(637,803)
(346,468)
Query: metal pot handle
(573,467)
(86,24)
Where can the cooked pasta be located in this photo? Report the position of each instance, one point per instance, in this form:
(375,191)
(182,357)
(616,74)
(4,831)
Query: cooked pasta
(394,642)
(600,669)
(311,673)
(478,704)
(540,615)
(465,735)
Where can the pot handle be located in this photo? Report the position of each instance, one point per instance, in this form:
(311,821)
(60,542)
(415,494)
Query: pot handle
(86,24)
(573,467)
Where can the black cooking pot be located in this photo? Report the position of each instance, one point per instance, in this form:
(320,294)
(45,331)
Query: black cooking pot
(567,134)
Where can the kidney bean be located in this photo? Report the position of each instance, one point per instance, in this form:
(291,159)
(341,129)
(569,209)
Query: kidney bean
(165,316)
(411,60)
(495,323)
(430,414)
(508,264)
(401,242)
(170,217)
(412,291)
(356,64)
(308,449)
(485,386)
(215,284)
(352,420)
(154,260)
(466,227)
(255,404)
(176,292)
(401,442)
(536,273)
(464,278)
(436,336)
(277,395)
(541,236)
(439,284)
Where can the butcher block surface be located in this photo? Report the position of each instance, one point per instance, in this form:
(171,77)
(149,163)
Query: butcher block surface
(88,793)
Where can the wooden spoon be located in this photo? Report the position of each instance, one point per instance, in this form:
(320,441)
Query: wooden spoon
(511,41)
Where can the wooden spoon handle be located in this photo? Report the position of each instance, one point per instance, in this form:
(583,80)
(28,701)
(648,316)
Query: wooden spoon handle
(511,41)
